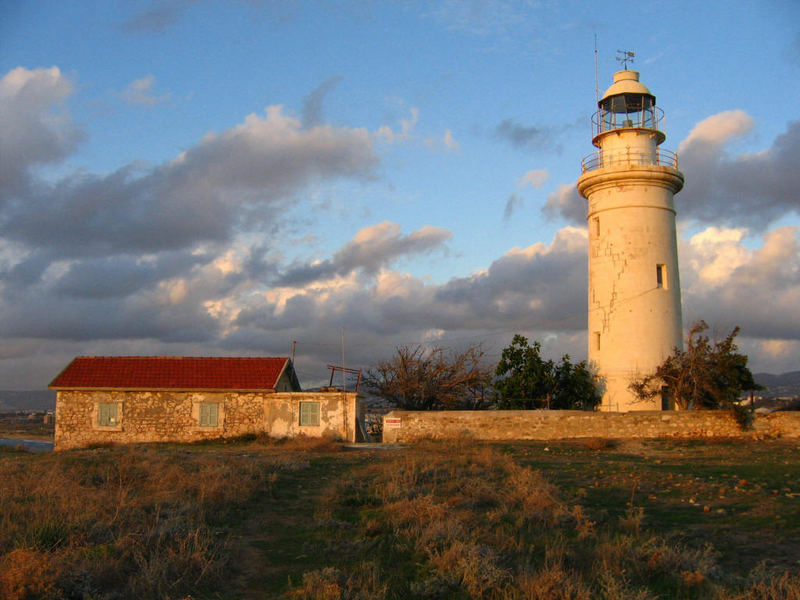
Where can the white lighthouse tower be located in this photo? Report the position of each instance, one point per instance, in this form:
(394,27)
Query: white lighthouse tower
(634,289)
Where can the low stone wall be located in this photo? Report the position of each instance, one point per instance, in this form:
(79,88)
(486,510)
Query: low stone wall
(166,416)
(408,426)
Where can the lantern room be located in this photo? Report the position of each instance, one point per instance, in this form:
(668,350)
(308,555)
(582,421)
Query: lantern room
(627,104)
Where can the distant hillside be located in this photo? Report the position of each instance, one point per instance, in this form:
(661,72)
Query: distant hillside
(785,384)
(30,400)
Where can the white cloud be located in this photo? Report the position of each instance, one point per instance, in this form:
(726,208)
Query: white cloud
(140,92)
(731,284)
(716,254)
(241,178)
(407,125)
(187,256)
(746,190)
(567,204)
(449,141)
(717,130)
(752,190)
(372,248)
(535,178)
(34,127)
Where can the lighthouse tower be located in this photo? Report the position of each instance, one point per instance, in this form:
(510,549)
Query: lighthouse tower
(634,289)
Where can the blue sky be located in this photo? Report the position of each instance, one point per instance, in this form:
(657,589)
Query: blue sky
(199,177)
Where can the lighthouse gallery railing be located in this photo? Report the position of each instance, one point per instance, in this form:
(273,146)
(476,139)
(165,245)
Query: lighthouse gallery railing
(619,158)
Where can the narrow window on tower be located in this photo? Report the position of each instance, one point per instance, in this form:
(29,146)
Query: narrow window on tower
(596,227)
(596,336)
(661,276)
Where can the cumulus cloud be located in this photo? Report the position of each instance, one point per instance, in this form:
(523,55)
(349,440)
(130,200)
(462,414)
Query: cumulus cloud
(751,189)
(728,283)
(185,257)
(35,129)
(240,178)
(371,249)
(715,131)
(140,92)
(535,178)
(545,284)
(537,290)
(715,254)
(566,203)
(161,253)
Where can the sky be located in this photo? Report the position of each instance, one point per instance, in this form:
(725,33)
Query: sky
(197,177)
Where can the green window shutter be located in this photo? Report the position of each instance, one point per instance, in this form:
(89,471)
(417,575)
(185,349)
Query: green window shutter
(107,414)
(209,414)
(309,413)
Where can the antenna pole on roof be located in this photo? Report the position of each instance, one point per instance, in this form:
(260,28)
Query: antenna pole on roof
(294,345)
(344,367)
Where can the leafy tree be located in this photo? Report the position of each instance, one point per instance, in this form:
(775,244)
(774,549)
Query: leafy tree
(422,378)
(705,375)
(528,381)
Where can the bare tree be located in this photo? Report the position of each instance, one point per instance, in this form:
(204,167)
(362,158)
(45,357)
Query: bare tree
(423,378)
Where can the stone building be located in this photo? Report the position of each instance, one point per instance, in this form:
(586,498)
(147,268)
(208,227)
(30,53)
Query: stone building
(129,399)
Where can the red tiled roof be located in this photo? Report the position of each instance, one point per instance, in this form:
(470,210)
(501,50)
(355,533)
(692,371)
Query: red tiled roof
(171,372)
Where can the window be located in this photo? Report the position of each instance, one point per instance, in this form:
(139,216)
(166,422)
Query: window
(596,226)
(309,413)
(107,414)
(209,414)
(596,336)
(661,276)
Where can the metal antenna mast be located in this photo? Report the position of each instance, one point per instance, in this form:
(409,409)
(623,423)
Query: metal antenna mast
(625,56)
(596,77)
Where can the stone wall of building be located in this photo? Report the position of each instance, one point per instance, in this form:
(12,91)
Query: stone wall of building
(164,416)
(408,426)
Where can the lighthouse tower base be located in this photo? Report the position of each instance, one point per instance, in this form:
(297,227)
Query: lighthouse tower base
(617,396)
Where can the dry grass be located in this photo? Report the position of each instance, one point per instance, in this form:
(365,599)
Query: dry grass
(238,518)
(119,523)
(461,520)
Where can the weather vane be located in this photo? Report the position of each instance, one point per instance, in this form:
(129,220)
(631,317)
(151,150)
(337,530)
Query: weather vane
(625,56)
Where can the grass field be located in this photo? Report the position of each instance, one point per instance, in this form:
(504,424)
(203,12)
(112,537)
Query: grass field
(310,519)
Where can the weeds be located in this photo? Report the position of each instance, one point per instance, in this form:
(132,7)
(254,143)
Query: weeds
(468,521)
(436,520)
(122,523)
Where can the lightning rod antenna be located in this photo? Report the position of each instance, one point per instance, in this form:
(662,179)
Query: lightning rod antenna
(596,77)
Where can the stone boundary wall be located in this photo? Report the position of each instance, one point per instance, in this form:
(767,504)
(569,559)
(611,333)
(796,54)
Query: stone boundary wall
(408,426)
(173,416)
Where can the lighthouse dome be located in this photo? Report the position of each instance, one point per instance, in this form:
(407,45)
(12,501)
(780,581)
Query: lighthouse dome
(626,82)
